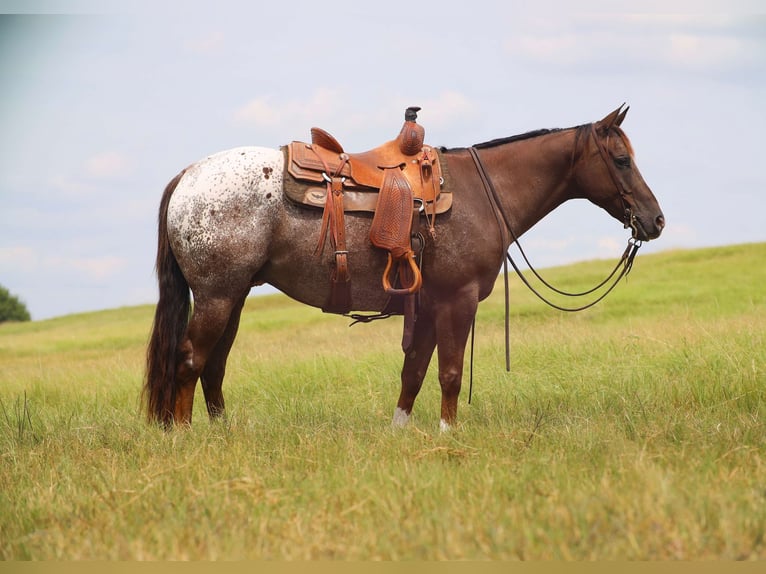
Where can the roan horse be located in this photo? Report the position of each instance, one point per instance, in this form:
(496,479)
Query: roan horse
(224,226)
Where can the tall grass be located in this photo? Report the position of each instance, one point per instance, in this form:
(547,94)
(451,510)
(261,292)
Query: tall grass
(634,430)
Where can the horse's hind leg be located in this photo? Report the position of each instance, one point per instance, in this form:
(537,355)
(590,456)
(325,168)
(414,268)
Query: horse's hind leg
(215,368)
(208,323)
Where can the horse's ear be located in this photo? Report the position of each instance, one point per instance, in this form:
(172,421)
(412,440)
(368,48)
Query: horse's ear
(621,117)
(613,119)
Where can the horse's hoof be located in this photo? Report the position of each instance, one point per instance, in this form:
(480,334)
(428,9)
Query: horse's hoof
(401,418)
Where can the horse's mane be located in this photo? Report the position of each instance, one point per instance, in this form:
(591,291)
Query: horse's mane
(516,138)
(511,139)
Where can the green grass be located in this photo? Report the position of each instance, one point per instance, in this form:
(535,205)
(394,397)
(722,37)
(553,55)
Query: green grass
(634,430)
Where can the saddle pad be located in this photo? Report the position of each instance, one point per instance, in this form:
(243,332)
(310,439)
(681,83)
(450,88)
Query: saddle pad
(356,199)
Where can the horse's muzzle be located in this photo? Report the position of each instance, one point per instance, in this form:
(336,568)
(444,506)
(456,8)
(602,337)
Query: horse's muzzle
(646,231)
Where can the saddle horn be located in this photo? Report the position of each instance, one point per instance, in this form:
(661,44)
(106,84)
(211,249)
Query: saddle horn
(413,135)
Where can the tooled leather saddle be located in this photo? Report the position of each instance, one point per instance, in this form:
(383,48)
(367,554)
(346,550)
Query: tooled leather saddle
(397,181)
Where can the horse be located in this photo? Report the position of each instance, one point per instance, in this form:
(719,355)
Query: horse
(226,226)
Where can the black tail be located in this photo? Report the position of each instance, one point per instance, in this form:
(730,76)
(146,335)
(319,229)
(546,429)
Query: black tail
(171,318)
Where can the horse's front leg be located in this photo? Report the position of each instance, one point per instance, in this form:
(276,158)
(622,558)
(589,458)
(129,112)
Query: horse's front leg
(453,325)
(416,362)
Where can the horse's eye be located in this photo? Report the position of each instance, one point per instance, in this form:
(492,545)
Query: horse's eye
(622,161)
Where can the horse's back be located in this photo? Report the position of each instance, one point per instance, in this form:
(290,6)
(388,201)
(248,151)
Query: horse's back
(221,213)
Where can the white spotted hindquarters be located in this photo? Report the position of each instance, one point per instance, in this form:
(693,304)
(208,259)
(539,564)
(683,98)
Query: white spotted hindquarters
(223,211)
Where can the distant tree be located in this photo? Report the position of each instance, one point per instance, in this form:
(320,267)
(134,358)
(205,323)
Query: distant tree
(11,308)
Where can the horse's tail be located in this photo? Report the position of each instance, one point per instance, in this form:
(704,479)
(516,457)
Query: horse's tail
(171,318)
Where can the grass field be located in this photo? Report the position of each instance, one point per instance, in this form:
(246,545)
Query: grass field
(634,430)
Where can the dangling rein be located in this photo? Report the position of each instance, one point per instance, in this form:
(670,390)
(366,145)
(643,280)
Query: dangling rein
(625,262)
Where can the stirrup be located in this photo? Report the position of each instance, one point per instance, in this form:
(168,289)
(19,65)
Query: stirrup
(418,281)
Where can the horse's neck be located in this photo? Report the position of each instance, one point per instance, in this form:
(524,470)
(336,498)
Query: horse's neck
(531,176)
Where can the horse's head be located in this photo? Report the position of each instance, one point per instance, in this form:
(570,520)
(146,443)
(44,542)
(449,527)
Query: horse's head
(607,175)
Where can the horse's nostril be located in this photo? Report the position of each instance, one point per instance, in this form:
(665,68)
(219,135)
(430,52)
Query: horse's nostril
(660,221)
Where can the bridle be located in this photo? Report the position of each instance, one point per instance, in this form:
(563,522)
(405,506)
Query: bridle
(626,196)
(625,263)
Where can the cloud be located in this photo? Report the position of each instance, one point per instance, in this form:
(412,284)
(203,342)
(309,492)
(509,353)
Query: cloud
(25,259)
(448,108)
(706,52)
(107,165)
(98,268)
(89,179)
(657,42)
(265,111)
(679,234)
(212,43)
(608,246)
(556,49)
(18,258)
(71,188)
(335,110)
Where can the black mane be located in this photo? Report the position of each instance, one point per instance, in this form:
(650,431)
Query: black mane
(511,139)
(516,138)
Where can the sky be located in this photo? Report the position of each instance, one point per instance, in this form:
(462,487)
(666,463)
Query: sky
(101,105)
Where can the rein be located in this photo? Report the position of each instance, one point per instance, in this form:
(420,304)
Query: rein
(625,262)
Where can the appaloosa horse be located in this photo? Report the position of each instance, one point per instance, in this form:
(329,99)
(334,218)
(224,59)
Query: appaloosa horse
(225,225)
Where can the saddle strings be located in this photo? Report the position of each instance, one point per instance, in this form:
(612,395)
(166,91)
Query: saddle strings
(329,211)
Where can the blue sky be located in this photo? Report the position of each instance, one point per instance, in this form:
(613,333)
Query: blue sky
(101,105)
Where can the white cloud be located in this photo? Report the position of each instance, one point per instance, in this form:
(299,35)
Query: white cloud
(99,268)
(678,234)
(212,43)
(24,259)
(693,43)
(448,108)
(67,187)
(334,111)
(266,112)
(560,49)
(546,243)
(703,52)
(608,246)
(107,165)
(18,258)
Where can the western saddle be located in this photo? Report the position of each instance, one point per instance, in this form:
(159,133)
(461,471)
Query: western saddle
(397,181)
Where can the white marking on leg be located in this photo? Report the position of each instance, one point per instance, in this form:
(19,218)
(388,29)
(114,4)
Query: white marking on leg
(401,418)
(444,426)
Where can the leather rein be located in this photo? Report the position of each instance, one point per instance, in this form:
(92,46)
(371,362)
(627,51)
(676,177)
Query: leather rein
(624,265)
